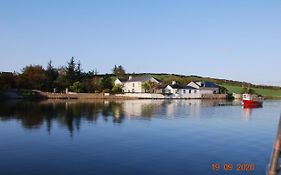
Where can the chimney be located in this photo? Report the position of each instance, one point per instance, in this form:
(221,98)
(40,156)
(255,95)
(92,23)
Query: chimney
(130,77)
(174,82)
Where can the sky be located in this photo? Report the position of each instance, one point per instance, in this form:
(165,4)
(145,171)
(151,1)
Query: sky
(232,39)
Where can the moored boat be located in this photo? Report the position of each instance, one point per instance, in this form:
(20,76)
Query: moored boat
(252,101)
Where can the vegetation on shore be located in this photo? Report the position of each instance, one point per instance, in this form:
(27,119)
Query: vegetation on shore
(72,77)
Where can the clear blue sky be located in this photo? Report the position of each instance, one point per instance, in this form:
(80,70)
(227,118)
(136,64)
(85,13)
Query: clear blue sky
(233,39)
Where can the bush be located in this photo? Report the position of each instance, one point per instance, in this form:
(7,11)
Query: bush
(117,89)
(76,87)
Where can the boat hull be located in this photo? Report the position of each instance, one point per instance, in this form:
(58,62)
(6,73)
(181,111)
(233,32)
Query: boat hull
(252,104)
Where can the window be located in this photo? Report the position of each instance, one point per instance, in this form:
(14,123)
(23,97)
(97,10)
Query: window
(184,91)
(190,91)
(195,91)
(133,84)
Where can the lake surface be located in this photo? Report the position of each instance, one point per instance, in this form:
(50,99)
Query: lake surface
(134,137)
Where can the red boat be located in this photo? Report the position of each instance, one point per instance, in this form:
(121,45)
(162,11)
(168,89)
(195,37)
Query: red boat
(251,101)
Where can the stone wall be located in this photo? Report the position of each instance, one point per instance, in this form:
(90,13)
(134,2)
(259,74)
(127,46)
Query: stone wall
(214,96)
(50,95)
(142,95)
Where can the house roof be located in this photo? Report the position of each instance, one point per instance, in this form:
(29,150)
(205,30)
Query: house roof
(6,73)
(208,84)
(122,79)
(177,86)
(160,86)
(141,78)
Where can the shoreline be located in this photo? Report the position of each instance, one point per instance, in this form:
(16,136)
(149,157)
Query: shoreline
(37,95)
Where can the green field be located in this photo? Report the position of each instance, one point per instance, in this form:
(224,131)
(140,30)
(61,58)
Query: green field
(262,91)
(231,85)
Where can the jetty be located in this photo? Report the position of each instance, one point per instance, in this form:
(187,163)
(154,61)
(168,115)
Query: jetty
(274,165)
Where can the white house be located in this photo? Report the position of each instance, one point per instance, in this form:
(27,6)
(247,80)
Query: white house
(135,84)
(178,91)
(120,81)
(205,87)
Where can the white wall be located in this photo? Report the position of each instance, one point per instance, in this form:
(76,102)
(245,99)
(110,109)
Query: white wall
(136,86)
(183,93)
(190,93)
(169,89)
(133,87)
(209,91)
(117,82)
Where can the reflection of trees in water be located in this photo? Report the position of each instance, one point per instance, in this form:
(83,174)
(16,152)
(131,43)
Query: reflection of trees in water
(71,114)
(66,114)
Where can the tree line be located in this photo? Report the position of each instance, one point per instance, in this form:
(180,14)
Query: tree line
(59,79)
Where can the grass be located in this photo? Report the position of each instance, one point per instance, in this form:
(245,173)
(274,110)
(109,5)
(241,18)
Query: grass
(270,93)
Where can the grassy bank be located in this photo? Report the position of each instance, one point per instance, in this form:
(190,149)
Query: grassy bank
(268,93)
(232,86)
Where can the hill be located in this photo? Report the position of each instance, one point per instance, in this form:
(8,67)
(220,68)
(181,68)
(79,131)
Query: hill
(231,85)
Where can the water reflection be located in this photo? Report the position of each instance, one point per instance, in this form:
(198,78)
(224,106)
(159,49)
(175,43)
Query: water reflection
(70,114)
(247,112)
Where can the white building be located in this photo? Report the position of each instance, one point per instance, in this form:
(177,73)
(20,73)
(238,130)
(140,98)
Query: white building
(135,84)
(205,87)
(120,81)
(177,91)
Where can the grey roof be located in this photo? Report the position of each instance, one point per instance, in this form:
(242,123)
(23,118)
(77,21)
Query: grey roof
(7,73)
(177,86)
(208,84)
(141,78)
(122,79)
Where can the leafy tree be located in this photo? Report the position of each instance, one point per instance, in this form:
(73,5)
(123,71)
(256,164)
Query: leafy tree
(33,77)
(76,87)
(115,70)
(96,84)
(252,91)
(117,89)
(119,71)
(148,86)
(70,72)
(7,81)
(106,82)
(248,90)
(223,90)
(51,74)
(78,71)
(61,83)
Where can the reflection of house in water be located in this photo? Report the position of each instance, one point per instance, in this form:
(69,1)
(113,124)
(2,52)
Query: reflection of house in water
(189,108)
(180,108)
(139,108)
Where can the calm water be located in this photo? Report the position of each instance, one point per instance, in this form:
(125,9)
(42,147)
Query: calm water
(150,137)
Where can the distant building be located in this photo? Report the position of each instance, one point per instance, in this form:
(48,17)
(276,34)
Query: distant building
(120,81)
(181,91)
(205,87)
(6,73)
(135,84)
